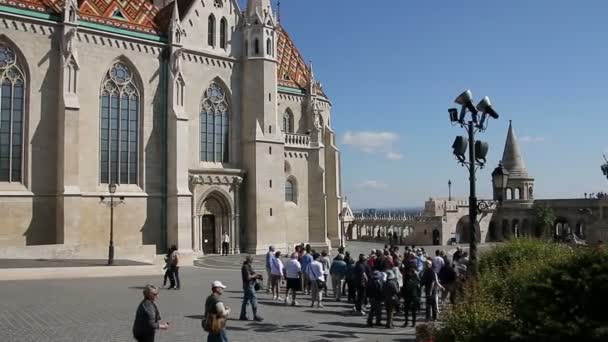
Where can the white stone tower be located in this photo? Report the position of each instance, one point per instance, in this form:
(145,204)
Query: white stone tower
(520,185)
(263,143)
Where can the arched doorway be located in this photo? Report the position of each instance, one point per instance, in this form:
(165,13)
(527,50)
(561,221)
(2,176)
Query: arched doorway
(506,229)
(463,234)
(580,230)
(515,228)
(436,237)
(492,235)
(561,229)
(214,219)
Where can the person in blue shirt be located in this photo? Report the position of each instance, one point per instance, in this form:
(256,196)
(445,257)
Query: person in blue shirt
(337,271)
(269,257)
(305,262)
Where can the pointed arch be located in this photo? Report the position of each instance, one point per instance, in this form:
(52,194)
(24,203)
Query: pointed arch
(288,126)
(180,90)
(14,80)
(257,47)
(211,30)
(214,120)
(120,122)
(223,33)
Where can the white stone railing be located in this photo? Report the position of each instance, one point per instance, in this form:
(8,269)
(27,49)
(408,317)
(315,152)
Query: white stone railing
(297,140)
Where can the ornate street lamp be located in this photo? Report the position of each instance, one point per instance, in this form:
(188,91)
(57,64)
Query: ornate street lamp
(500,178)
(477,151)
(341,229)
(111,204)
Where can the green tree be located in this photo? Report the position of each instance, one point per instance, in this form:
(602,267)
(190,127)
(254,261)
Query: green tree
(545,218)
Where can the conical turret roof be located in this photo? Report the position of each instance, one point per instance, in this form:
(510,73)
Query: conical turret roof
(512,159)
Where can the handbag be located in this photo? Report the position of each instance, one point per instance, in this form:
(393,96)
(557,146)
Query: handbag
(320,283)
(256,286)
(213,323)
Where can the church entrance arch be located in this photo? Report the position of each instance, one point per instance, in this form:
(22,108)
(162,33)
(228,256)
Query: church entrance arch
(436,237)
(214,218)
(463,234)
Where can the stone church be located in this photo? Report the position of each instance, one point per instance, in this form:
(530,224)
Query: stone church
(203,114)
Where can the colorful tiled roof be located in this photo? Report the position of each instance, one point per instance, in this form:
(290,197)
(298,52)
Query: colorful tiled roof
(292,71)
(135,15)
(164,15)
(46,6)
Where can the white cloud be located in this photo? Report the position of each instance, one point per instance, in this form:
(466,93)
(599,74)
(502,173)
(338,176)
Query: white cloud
(370,142)
(394,156)
(528,139)
(371,185)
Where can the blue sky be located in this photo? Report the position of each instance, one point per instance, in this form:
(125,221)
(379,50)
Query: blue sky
(392,68)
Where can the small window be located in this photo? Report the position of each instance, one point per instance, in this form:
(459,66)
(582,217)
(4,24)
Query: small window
(269,47)
(290,191)
(269,129)
(269,97)
(218,4)
(257,47)
(270,211)
(223,28)
(269,149)
(270,183)
(211,31)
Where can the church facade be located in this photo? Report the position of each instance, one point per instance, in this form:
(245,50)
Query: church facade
(202,114)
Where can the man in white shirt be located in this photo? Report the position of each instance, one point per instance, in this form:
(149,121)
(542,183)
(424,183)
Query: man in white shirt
(293,270)
(276,273)
(317,281)
(225,243)
(438,262)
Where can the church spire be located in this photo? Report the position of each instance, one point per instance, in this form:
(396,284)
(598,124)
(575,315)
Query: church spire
(512,159)
(262,7)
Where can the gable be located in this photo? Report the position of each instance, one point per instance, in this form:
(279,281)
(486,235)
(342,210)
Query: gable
(137,15)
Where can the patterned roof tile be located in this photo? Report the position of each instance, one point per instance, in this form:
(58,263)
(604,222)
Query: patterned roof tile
(137,15)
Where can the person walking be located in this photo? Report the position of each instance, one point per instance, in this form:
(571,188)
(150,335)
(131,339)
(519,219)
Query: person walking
(317,281)
(391,297)
(324,260)
(216,314)
(225,243)
(174,269)
(431,284)
(167,268)
(411,293)
(269,256)
(374,293)
(147,316)
(293,272)
(447,277)
(337,271)
(249,278)
(350,281)
(276,272)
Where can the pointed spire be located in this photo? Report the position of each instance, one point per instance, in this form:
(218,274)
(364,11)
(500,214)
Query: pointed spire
(259,6)
(175,27)
(512,159)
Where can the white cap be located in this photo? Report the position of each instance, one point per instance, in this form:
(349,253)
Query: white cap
(218,283)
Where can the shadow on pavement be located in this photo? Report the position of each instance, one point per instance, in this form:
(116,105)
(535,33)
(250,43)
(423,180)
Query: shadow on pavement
(194,316)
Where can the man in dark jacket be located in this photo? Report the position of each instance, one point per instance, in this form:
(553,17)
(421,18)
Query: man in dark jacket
(360,277)
(147,317)
(390,293)
(375,289)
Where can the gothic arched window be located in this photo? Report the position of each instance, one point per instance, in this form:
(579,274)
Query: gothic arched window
(211,31)
(257,47)
(287,122)
(215,123)
(12,107)
(291,191)
(223,29)
(119,129)
(268,47)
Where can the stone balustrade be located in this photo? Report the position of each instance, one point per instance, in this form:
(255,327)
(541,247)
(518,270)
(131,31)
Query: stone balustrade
(297,140)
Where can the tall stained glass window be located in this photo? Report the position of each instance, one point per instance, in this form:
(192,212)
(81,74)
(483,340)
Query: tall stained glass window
(12,104)
(215,124)
(291,192)
(287,122)
(119,129)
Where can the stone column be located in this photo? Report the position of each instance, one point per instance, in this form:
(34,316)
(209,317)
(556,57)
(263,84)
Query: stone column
(236,231)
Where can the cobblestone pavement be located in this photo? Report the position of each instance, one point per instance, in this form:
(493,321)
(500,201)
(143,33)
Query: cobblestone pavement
(102,310)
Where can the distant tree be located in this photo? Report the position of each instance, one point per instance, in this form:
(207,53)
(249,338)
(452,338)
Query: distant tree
(545,218)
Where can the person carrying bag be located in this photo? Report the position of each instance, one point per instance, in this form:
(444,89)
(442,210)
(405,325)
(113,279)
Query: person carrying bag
(214,319)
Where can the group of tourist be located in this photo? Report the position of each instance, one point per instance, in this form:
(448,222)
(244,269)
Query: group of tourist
(383,280)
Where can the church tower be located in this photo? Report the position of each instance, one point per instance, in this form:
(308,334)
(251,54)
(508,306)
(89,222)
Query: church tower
(520,185)
(263,142)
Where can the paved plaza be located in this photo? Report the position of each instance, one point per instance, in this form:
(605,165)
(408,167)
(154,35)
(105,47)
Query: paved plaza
(102,309)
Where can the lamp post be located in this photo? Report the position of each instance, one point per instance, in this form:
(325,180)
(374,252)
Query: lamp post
(500,178)
(477,151)
(341,229)
(111,204)
(449,190)
(605,166)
